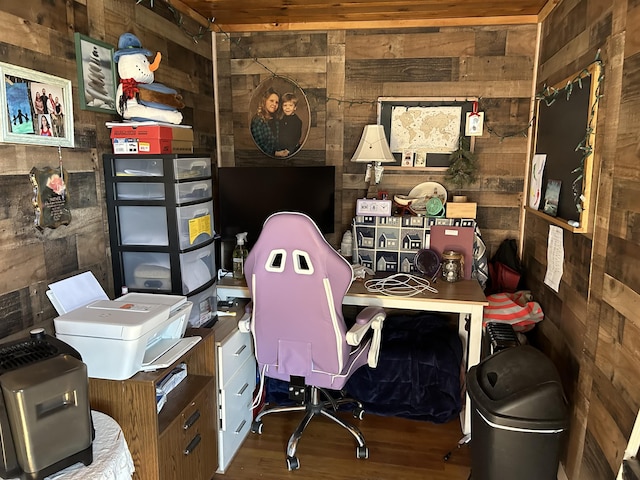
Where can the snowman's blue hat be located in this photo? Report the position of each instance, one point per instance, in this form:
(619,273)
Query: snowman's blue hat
(129,44)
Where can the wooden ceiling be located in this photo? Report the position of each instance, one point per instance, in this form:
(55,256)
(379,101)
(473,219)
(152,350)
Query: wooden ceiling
(265,15)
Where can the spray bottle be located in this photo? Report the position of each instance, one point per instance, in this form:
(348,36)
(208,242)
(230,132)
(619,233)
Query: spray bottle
(240,253)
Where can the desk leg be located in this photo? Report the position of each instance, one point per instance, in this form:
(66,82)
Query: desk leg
(472,357)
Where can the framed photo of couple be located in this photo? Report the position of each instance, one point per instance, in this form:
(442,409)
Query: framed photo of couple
(279,117)
(37,107)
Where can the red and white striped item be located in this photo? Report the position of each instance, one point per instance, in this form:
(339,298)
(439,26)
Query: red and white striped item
(517,309)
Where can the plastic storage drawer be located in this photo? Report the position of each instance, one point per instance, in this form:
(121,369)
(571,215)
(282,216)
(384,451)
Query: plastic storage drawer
(193,191)
(203,307)
(195,224)
(143,225)
(190,167)
(147,270)
(197,268)
(138,167)
(139,191)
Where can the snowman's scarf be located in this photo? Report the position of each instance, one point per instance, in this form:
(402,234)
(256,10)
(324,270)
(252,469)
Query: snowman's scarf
(129,90)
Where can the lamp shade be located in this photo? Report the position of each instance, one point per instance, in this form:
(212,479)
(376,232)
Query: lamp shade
(373,146)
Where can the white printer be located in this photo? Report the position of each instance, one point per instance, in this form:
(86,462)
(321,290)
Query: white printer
(136,332)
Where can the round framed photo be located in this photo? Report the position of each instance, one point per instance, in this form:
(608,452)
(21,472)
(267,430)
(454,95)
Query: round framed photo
(279,117)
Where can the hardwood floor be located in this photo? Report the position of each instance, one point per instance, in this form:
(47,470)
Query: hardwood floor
(399,449)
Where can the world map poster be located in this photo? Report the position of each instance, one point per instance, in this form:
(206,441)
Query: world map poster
(429,129)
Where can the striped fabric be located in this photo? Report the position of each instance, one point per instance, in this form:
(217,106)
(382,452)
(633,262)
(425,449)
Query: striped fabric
(517,309)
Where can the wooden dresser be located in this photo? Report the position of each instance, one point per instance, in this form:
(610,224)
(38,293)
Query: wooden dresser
(179,442)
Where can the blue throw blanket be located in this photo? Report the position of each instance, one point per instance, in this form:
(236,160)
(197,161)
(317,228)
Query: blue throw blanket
(418,373)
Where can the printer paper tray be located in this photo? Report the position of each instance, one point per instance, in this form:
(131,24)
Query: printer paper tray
(179,348)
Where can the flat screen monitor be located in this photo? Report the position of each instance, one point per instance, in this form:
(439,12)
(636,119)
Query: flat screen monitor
(248,195)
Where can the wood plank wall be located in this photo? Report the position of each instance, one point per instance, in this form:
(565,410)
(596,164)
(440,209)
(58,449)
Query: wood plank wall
(592,325)
(39,35)
(343,73)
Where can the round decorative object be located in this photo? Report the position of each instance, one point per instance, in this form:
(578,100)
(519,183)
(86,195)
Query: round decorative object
(427,262)
(434,207)
(452,266)
(429,190)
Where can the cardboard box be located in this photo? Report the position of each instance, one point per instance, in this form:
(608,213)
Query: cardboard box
(141,146)
(181,146)
(461,210)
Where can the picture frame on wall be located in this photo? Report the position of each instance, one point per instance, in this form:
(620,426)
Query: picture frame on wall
(37,108)
(96,74)
(430,125)
(551,197)
(279,117)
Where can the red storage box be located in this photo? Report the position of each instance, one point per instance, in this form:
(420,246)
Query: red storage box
(131,139)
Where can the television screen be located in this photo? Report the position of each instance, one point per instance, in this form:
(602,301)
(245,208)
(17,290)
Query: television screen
(248,195)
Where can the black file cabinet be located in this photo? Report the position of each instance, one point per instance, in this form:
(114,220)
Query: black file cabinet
(161,226)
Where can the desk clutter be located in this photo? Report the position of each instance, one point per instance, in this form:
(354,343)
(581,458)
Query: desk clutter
(390,244)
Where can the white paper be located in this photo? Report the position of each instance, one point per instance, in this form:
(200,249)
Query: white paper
(555,258)
(535,188)
(148,123)
(77,291)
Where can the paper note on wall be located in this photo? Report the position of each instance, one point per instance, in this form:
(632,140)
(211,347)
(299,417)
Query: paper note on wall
(535,187)
(555,258)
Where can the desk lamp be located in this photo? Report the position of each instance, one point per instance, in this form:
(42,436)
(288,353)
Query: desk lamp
(374,150)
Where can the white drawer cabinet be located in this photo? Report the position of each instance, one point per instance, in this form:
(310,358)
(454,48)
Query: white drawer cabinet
(236,381)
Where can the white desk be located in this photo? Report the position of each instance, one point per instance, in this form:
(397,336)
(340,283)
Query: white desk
(464,298)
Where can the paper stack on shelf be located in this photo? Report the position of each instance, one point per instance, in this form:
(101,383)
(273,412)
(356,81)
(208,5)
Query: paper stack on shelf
(168,383)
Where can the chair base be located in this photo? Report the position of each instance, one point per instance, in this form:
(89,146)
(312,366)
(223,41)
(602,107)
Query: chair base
(315,406)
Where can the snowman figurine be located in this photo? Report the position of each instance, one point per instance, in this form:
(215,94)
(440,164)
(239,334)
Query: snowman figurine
(138,97)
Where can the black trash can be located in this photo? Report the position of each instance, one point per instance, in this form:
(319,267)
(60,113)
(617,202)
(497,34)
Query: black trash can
(518,418)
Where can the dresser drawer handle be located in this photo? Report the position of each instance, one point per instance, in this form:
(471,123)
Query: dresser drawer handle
(192,445)
(241,391)
(240,350)
(191,420)
(239,429)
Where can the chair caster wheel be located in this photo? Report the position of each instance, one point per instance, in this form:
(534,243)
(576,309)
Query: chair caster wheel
(293,463)
(358,413)
(256,427)
(362,452)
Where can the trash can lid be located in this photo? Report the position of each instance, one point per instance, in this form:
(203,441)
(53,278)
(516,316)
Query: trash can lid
(519,384)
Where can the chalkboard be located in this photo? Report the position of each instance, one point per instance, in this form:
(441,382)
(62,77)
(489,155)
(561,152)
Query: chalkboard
(565,133)
(386,106)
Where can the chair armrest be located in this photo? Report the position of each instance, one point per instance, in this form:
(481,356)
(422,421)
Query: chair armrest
(364,321)
(244,324)
(369,317)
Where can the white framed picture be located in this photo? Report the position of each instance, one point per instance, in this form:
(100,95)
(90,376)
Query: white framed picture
(407,158)
(37,108)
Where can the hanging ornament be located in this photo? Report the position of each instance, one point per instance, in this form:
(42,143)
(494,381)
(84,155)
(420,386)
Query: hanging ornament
(50,195)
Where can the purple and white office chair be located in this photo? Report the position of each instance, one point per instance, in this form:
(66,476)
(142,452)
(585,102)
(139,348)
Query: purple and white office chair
(297,283)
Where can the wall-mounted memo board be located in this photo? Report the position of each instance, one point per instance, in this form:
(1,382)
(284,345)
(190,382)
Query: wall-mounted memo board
(565,133)
(429,124)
